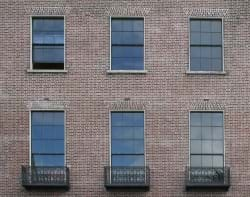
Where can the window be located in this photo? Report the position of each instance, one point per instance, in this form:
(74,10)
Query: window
(127,138)
(48,43)
(47,138)
(206,45)
(206,139)
(127,44)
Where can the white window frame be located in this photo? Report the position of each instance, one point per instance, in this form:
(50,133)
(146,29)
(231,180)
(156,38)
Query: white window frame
(189,48)
(143,71)
(31,45)
(30,131)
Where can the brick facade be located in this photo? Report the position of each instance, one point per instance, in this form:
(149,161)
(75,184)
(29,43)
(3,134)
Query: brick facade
(87,93)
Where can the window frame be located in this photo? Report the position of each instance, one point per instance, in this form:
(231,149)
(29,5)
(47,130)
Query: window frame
(31,69)
(189,132)
(110,45)
(189,71)
(30,131)
(110,132)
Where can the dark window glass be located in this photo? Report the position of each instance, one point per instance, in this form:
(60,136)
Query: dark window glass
(127,44)
(127,134)
(48,43)
(206,139)
(206,45)
(47,135)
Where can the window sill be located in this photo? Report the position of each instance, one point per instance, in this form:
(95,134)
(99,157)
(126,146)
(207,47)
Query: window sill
(46,71)
(127,71)
(206,72)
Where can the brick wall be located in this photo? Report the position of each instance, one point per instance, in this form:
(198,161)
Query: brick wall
(87,92)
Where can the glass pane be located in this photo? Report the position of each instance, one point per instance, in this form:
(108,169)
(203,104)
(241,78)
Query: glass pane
(218,133)
(37,132)
(48,160)
(138,25)
(206,52)
(128,160)
(116,25)
(207,147)
(218,161)
(216,52)
(127,119)
(48,118)
(195,25)
(195,132)
(48,54)
(216,26)
(127,146)
(206,119)
(127,38)
(216,38)
(127,25)
(195,119)
(195,38)
(195,52)
(205,26)
(218,147)
(53,132)
(206,38)
(195,64)
(48,24)
(58,118)
(217,119)
(216,64)
(127,63)
(127,133)
(48,38)
(48,146)
(207,133)
(117,119)
(207,161)
(37,118)
(195,161)
(205,64)
(195,146)
(124,51)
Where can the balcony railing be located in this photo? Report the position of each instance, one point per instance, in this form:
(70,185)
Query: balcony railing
(41,176)
(127,177)
(206,177)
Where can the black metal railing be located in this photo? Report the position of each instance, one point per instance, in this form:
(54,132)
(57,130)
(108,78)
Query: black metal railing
(41,176)
(207,177)
(137,176)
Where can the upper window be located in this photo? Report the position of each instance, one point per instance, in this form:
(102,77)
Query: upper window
(206,45)
(127,44)
(206,139)
(127,138)
(47,138)
(48,43)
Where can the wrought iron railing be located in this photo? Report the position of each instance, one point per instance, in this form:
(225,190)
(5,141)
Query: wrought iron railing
(41,176)
(207,177)
(138,176)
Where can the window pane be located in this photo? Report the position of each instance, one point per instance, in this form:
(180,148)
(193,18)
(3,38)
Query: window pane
(218,133)
(206,119)
(195,119)
(195,52)
(195,64)
(48,160)
(207,147)
(216,38)
(195,146)
(58,118)
(207,161)
(127,160)
(37,132)
(217,119)
(48,38)
(205,26)
(48,146)
(218,147)
(206,38)
(116,25)
(218,161)
(48,54)
(124,51)
(127,63)
(195,38)
(127,133)
(195,161)
(129,38)
(216,65)
(207,133)
(195,25)
(195,132)
(127,119)
(37,118)
(127,146)
(53,132)
(138,25)
(216,52)
(205,52)
(216,26)
(48,24)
